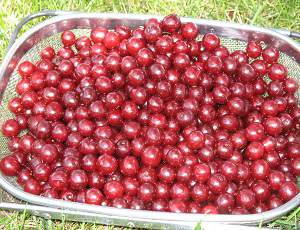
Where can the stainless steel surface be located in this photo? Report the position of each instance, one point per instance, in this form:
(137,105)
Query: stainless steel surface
(45,13)
(234,35)
(52,213)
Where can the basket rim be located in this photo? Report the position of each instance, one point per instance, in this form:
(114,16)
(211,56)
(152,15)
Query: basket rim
(142,214)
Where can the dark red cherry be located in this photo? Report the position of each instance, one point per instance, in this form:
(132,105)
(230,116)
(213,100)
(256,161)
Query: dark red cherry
(32,186)
(260,169)
(171,23)
(253,49)
(189,30)
(270,54)
(9,166)
(246,198)
(210,41)
(78,179)
(68,38)
(288,190)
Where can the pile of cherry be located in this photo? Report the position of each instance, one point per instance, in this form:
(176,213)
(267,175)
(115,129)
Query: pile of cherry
(154,119)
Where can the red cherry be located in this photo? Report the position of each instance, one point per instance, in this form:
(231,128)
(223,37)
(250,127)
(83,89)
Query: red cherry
(26,69)
(68,38)
(32,186)
(9,166)
(210,41)
(93,196)
(270,54)
(253,49)
(171,23)
(246,198)
(288,190)
(209,209)
(10,128)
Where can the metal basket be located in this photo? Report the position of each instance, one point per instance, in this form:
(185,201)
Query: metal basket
(27,47)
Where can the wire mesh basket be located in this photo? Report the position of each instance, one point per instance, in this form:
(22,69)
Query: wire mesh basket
(47,33)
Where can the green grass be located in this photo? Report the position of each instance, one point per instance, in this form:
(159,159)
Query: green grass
(265,13)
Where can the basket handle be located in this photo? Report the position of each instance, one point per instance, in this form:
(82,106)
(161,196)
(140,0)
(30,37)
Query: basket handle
(25,20)
(288,33)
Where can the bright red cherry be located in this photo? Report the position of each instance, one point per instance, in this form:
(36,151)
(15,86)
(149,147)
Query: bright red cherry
(151,156)
(201,172)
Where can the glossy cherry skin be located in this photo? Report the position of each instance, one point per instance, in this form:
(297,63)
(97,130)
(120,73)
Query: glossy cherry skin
(171,23)
(41,172)
(201,172)
(261,189)
(24,175)
(71,163)
(68,195)
(224,149)
(106,164)
(98,34)
(253,49)
(106,146)
(9,166)
(32,186)
(129,166)
(189,30)
(225,202)
(47,53)
(113,189)
(260,169)
(93,196)
(293,150)
(78,179)
(255,132)
(199,192)
(49,153)
(151,156)
(246,198)
(288,190)
(209,209)
(58,180)
(179,191)
(295,165)
(270,54)
(111,39)
(10,128)
(229,170)
(25,69)
(255,150)
(273,126)
(217,183)
(177,206)
(210,41)
(274,202)
(145,57)
(68,38)
(290,85)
